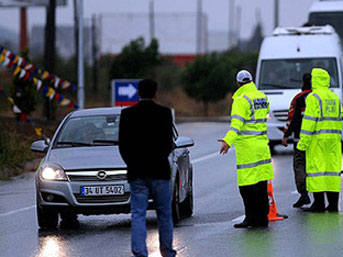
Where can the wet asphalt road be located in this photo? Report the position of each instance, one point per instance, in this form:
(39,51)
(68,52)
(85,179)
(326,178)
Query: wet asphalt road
(208,233)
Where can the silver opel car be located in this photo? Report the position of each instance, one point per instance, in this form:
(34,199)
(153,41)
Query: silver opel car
(83,172)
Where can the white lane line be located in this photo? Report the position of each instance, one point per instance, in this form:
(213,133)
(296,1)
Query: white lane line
(294,192)
(16,211)
(238,219)
(205,157)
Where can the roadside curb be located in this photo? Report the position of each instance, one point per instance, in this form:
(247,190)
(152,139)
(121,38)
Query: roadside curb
(224,119)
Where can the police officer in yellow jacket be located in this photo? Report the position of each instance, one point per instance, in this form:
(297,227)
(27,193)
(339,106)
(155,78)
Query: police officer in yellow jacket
(248,134)
(320,137)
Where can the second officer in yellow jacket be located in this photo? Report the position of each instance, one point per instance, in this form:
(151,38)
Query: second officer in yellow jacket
(248,134)
(320,137)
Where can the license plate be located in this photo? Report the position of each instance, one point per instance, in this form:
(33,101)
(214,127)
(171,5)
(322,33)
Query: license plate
(102,190)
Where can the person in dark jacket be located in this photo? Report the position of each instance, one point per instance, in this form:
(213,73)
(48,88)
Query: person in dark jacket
(293,126)
(145,142)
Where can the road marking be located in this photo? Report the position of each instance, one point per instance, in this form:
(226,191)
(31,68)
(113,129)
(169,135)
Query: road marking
(294,192)
(205,157)
(16,211)
(238,219)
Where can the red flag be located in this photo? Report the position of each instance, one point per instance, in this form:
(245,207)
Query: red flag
(57,96)
(70,105)
(26,77)
(23,116)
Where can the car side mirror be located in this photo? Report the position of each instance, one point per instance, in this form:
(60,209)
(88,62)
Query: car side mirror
(39,146)
(182,142)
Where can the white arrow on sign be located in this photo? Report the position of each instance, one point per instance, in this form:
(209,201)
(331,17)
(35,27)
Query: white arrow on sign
(129,91)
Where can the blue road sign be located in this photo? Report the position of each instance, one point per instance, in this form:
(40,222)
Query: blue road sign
(124,92)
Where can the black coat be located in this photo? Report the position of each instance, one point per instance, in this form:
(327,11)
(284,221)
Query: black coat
(146,140)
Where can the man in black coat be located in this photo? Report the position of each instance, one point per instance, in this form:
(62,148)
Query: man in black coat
(145,142)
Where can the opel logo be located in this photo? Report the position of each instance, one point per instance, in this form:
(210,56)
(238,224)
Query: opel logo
(101,175)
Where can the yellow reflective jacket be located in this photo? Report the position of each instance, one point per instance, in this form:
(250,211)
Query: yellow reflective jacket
(248,134)
(320,136)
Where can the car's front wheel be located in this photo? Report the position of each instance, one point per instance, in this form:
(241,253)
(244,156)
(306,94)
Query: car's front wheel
(69,219)
(47,217)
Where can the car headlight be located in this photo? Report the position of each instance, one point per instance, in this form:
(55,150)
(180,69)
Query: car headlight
(53,173)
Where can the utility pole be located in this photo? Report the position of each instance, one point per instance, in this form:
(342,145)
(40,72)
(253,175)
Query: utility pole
(80,87)
(152,19)
(199,27)
(76,38)
(231,23)
(238,24)
(50,49)
(23,29)
(276,13)
(94,55)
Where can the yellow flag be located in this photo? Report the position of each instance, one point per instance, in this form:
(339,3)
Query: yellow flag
(10,99)
(2,58)
(51,93)
(16,59)
(45,75)
(38,132)
(16,71)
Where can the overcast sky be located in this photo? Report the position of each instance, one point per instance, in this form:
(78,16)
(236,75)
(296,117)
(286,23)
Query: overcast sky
(292,12)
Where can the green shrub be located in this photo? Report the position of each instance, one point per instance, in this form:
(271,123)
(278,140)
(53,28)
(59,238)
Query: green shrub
(13,153)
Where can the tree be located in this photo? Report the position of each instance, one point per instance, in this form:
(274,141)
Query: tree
(136,60)
(208,78)
(240,60)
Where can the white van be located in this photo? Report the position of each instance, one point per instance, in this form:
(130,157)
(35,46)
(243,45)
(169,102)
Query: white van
(284,58)
(327,12)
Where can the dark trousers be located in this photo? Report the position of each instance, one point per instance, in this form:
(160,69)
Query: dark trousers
(319,201)
(299,170)
(256,203)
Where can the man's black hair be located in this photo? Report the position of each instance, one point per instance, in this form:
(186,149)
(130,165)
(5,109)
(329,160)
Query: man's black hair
(306,81)
(147,88)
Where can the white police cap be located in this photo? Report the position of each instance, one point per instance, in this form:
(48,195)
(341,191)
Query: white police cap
(243,76)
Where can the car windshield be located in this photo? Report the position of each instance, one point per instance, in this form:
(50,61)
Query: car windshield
(287,73)
(89,131)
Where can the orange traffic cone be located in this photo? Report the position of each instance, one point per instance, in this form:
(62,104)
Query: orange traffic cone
(273,215)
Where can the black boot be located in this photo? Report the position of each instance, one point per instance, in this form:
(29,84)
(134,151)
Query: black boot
(314,208)
(303,199)
(244,224)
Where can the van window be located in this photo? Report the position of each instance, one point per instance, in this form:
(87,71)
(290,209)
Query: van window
(335,19)
(287,73)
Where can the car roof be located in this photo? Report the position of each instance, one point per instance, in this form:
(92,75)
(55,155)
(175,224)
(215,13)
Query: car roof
(97,111)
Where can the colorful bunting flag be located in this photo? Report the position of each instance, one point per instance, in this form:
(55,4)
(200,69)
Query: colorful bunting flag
(51,93)
(22,69)
(16,109)
(16,71)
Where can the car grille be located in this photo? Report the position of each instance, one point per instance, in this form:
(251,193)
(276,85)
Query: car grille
(281,115)
(102,199)
(93,176)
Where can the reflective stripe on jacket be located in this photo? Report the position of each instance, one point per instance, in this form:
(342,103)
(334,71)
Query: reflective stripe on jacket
(248,134)
(320,136)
